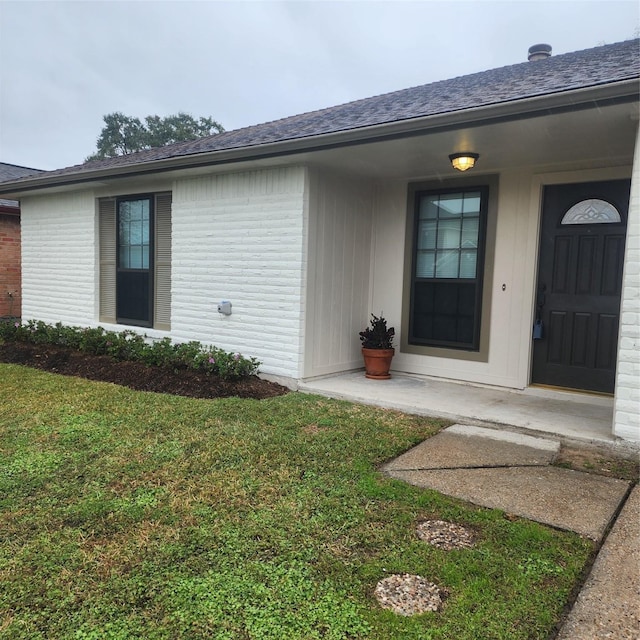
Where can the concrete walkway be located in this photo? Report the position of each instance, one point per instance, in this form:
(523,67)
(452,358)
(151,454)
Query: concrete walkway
(500,457)
(509,470)
(608,606)
(506,470)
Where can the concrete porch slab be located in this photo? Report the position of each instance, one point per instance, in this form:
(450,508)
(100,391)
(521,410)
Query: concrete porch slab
(575,416)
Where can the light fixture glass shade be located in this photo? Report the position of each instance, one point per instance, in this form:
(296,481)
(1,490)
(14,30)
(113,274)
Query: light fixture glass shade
(463,161)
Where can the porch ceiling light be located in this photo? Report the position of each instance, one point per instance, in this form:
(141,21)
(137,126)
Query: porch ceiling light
(464,160)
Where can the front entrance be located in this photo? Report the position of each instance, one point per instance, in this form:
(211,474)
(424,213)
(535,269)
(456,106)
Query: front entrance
(579,282)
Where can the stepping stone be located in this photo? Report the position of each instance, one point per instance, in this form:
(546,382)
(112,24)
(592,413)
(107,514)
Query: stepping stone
(445,535)
(408,595)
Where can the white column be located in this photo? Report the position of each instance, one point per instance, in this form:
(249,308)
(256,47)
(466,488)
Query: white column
(626,416)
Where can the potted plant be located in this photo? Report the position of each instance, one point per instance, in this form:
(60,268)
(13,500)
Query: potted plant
(377,348)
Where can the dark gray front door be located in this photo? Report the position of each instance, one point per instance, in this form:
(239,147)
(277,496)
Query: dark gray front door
(579,283)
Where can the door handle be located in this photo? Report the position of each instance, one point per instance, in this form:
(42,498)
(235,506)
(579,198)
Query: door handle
(542,297)
(538,327)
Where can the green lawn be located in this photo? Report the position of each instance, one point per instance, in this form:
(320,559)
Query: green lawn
(136,515)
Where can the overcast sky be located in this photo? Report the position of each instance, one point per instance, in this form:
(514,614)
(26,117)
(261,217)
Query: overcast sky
(63,65)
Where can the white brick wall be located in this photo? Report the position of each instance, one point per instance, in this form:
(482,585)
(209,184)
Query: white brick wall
(236,236)
(626,423)
(58,258)
(239,237)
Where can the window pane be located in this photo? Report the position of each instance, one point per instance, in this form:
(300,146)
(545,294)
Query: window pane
(449,234)
(446,299)
(145,257)
(470,228)
(592,211)
(428,208)
(465,329)
(468,261)
(447,263)
(135,232)
(123,258)
(444,327)
(472,204)
(450,205)
(427,234)
(466,299)
(125,212)
(425,264)
(135,257)
(123,230)
(137,208)
(425,293)
(423,310)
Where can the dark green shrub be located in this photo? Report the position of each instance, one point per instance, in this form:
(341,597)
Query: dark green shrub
(161,354)
(129,345)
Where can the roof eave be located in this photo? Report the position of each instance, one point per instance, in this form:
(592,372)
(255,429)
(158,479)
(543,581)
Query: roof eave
(577,99)
(10,210)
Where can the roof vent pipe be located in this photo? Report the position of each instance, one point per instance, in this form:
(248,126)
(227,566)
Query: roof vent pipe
(539,52)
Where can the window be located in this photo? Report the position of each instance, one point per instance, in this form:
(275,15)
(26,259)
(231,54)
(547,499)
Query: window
(134,272)
(447,267)
(134,226)
(591,211)
(135,260)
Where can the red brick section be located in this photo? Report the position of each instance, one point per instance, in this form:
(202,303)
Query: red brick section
(10,290)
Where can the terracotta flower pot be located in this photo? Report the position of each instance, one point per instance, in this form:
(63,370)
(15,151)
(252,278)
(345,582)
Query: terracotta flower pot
(377,363)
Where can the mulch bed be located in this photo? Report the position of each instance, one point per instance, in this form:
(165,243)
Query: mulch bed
(136,375)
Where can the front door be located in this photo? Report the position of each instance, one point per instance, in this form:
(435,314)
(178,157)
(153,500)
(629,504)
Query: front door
(579,282)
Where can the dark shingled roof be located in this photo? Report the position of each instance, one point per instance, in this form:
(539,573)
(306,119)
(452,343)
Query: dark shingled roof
(579,70)
(13,172)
